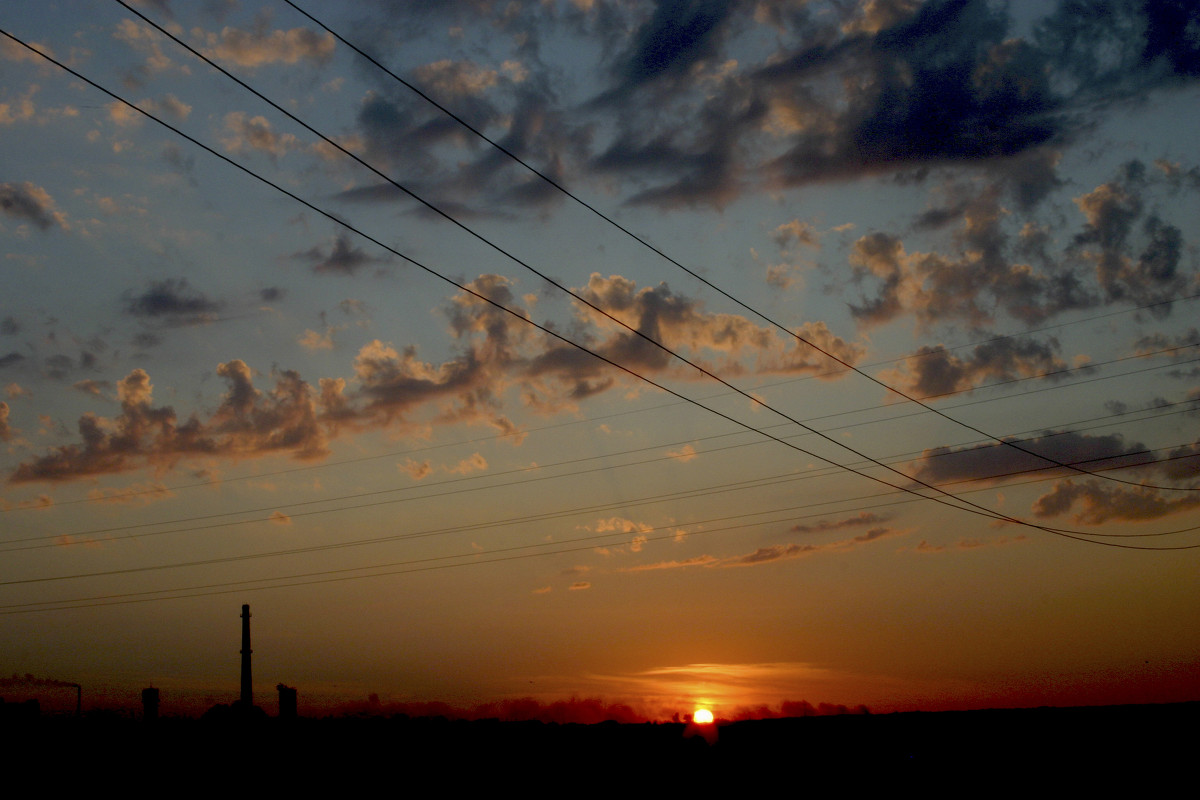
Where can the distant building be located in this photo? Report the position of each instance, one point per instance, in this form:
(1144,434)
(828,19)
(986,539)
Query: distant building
(150,704)
(287,702)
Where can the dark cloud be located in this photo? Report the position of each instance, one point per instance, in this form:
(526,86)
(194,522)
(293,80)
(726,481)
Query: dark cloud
(677,35)
(949,84)
(9,326)
(976,277)
(8,359)
(1182,463)
(710,99)
(31,203)
(172,301)
(342,259)
(182,163)
(1154,343)
(773,553)
(1000,462)
(271,294)
(1098,55)
(860,519)
(1094,503)
(57,366)
(935,371)
(146,340)
(944,85)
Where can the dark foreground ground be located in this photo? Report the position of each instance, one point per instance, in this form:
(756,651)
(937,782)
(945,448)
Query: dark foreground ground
(948,752)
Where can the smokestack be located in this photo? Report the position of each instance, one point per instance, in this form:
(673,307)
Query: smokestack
(247,683)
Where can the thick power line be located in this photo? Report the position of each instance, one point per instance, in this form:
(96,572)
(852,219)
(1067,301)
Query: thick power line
(648,245)
(943,498)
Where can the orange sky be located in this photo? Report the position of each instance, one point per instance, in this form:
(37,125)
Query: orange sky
(902,412)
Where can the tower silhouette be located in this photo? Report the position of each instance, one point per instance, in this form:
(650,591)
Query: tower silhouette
(247,683)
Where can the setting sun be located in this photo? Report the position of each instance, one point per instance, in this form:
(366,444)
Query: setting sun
(702,716)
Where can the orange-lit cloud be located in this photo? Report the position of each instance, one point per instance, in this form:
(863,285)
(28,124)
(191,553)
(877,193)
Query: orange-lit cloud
(1094,503)
(260,47)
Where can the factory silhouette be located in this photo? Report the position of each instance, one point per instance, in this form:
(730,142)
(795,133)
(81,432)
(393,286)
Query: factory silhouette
(243,708)
(876,749)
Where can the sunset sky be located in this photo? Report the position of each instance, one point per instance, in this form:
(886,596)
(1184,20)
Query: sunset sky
(456,437)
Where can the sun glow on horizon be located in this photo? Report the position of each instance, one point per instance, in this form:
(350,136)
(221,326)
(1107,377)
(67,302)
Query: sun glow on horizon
(702,716)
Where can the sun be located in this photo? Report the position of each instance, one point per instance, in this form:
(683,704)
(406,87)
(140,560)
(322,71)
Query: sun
(702,716)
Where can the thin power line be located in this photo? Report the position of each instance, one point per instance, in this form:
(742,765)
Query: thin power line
(487,525)
(419,565)
(453,486)
(761,387)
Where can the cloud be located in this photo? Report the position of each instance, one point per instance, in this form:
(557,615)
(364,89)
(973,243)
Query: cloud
(474,463)
(260,47)
(417,470)
(447,77)
(137,493)
(971,282)
(172,301)
(697,561)
(579,586)
(496,355)
(147,41)
(684,454)
(6,430)
(11,51)
(925,547)
(255,133)
(1092,453)
(858,520)
(343,258)
(31,203)
(92,387)
(279,518)
(772,553)
(1141,268)
(682,325)
(1094,503)
(943,84)
(169,105)
(796,232)
(710,100)
(678,35)
(247,423)
(935,371)
(311,340)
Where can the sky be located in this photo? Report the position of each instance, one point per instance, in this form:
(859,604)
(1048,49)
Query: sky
(857,367)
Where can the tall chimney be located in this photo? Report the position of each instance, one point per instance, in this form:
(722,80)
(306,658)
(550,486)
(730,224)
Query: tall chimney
(247,684)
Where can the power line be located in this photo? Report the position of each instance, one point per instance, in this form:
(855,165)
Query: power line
(946,498)
(429,563)
(453,486)
(640,240)
(391,454)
